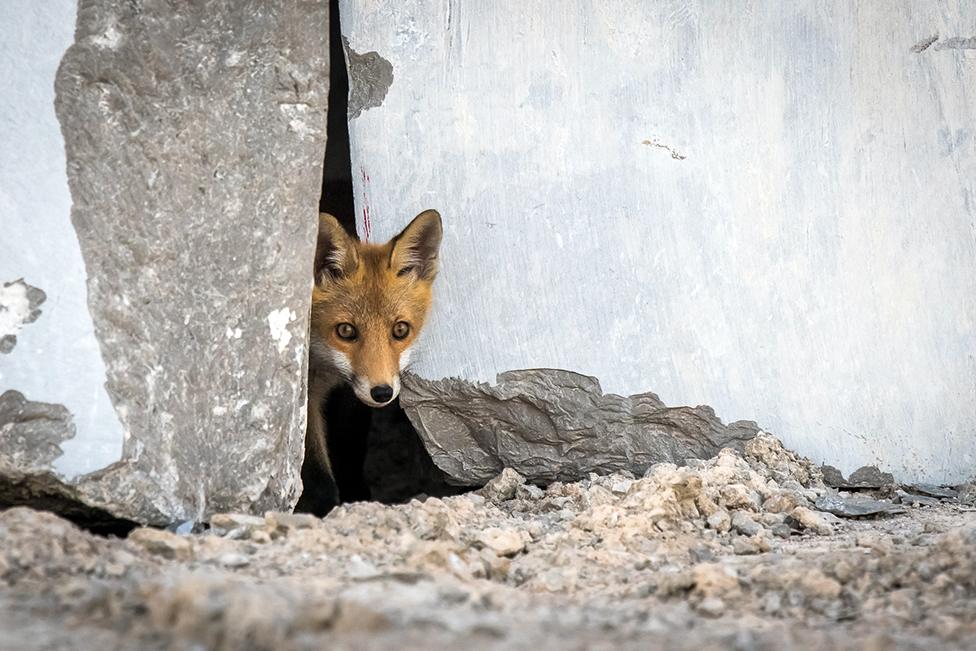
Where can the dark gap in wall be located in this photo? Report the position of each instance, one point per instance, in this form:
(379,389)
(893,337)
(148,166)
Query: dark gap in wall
(33,493)
(376,454)
(337,193)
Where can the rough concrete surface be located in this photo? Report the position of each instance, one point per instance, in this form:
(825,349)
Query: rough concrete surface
(19,305)
(553,425)
(373,76)
(194,143)
(765,207)
(611,562)
(31,433)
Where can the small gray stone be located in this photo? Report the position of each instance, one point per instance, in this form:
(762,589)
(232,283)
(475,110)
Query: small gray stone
(744,524)
(772,519)
(877,542)
(781,531)
(719,521)
(291,521)
(232,560)
(223,523)
(162,543)
(812,520)
(529,492)
(504,542)
(711,606)
(621,486)
(739,496)
(744,546)
(701,554)
(503,486)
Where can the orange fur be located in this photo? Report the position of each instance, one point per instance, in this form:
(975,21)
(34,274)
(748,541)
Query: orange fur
(371,288)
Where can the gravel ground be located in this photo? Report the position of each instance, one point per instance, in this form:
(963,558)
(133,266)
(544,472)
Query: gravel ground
(718,554)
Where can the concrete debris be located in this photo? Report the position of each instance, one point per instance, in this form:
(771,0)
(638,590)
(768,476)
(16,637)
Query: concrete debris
(833,477)
(869,477)
(814,521)
(503,487)
(912,499)
(193,141)
(931,490)
(553,425)
(605,562)
(745,525)
(163,543)
(856,507)
(967,492)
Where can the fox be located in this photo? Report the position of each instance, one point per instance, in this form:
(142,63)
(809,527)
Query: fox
(369,304)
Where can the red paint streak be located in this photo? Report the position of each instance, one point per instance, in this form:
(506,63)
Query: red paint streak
(366,224)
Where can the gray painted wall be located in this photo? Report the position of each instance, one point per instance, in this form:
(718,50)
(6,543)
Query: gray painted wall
(765,207)
(56,358)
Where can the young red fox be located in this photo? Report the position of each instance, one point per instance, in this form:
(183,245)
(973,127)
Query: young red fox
(368,306)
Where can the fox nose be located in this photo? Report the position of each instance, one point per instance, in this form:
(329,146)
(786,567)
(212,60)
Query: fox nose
(381,393)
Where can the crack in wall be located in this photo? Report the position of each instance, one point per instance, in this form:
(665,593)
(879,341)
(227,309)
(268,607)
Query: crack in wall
(924,44)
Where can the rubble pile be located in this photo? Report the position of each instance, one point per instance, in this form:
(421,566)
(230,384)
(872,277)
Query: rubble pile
(733,549)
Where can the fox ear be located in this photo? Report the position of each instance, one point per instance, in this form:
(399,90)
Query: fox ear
(415,248)
(335,253)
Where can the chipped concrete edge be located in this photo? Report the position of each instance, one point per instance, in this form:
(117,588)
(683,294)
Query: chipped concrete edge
(31,434)
(950,43)
(370,78)
(556,425)
(19,305)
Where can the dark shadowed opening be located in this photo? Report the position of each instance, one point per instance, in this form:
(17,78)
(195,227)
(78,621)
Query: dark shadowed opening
(43,494)
(375,453)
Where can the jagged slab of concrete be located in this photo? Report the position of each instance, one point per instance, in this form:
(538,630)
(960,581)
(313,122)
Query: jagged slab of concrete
(554,425)
(194,142)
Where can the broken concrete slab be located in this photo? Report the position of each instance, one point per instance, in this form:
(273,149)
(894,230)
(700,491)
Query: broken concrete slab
(913,499)
(194,143)
(31,433)
(833,477)
(865,477)
(870,477)
(931,490)
(555,425)
(856,507)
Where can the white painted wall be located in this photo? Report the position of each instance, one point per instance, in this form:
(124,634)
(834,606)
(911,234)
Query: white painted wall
(765,207)
(57,358)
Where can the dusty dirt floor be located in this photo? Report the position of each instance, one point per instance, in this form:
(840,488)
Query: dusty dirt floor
(721,554)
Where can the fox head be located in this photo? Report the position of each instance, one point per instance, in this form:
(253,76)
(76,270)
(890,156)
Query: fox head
(370,302)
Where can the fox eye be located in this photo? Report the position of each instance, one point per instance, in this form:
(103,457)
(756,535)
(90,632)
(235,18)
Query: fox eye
(346,331)
(401,329)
